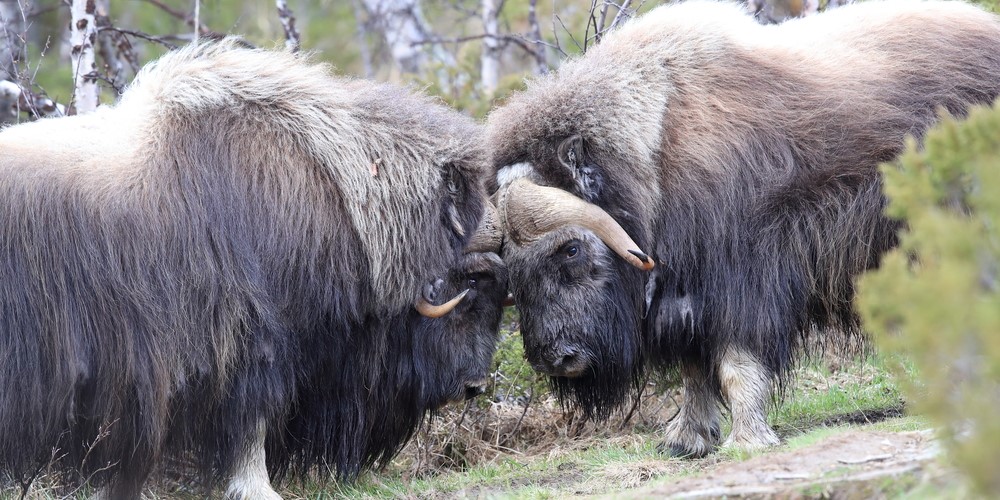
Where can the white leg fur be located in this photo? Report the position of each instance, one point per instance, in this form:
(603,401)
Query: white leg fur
(746,386)
(249,479)
(694,431)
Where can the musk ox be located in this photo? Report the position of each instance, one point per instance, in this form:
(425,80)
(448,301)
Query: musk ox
(699,191)
(228,262)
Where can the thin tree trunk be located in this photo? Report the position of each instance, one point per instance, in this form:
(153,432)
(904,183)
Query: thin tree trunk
(292,39)
(541,62)
(490,68)
(11,38)
(83,34)
(361,36)
(406,33)
(11,52)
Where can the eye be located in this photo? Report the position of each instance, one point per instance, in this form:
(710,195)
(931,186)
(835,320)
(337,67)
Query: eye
(568,250)
(473,280)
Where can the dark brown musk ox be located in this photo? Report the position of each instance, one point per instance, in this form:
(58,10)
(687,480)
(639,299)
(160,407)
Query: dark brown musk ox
(742,159)
(227,266)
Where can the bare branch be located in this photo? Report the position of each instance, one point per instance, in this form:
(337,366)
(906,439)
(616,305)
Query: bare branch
(188,19)
(518,40)
(555,36)
(162,40)
(403,27)
(570,33)
(591,20)
(624,13)
(600,22)
(292,39)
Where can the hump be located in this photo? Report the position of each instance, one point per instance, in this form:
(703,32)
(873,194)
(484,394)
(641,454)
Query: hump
(225,73)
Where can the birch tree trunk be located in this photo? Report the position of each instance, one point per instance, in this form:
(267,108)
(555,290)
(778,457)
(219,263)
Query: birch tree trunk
(361,37)
(405,32)
(292,39)
(83,35)
(11,52)
(11,38)
(541,61)
(490,67)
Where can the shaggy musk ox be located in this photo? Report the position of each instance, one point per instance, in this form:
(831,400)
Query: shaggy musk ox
(743,160)
(227,262)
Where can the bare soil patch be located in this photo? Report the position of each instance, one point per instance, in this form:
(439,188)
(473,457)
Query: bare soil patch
(848,465)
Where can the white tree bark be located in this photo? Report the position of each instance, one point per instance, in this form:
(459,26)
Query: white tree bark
(541,61)
(83,34)
(11,52)
(490,67)
(292,39)
(11,37)
(406,33)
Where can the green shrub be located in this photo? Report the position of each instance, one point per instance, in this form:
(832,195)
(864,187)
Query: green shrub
(937,297)
(514,379)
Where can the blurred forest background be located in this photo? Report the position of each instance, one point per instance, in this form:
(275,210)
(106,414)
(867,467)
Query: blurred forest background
(470,52)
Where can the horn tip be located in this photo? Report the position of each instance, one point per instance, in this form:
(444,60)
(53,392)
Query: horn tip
(646,262)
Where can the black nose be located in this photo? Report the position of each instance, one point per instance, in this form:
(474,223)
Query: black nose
(475,389)
(564,361)
(560,361)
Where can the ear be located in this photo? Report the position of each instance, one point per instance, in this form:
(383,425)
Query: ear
(571,153)
(581,169)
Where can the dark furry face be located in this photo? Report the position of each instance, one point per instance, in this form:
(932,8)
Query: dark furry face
(453,354)
(580,308)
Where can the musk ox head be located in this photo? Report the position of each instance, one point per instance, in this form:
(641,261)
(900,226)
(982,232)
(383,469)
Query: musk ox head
(362,403)
(576,275)
(454,342)
(576,185)
(453,354)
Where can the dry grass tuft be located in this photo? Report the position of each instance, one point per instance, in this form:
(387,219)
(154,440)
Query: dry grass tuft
(632,475)
(483,434)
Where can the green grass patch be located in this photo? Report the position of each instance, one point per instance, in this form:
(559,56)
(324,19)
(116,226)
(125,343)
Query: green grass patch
(863,392)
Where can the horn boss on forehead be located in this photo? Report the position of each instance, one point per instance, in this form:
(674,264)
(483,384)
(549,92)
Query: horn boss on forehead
(529,211)
(488,235)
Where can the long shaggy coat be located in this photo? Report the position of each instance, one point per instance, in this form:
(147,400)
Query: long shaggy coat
(240,230)
(744,159)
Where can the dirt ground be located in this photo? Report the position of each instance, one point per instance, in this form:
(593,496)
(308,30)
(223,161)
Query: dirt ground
(855,464)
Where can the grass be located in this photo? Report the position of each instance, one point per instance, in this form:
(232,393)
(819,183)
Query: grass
(860,392)
(821,403)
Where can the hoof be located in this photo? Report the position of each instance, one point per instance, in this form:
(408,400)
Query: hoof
(756,441)
(677,450)
(251,490)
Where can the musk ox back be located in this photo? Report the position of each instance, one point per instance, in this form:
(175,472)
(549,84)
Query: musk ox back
(238,244)
(732,167)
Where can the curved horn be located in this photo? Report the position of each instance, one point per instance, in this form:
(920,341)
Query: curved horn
(528,210)
(488,235)
(429,310)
